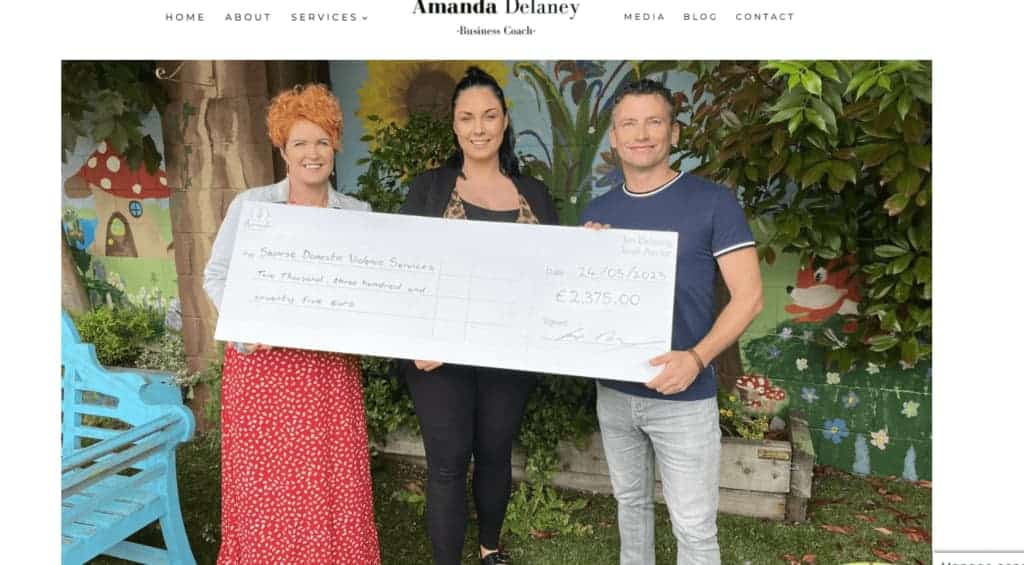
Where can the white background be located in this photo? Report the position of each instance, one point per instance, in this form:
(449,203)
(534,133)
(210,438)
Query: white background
(978,461)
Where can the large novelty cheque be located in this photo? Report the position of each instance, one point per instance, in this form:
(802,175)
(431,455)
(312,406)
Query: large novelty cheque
(549,299)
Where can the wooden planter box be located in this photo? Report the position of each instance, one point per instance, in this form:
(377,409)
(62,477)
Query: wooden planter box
(763,479)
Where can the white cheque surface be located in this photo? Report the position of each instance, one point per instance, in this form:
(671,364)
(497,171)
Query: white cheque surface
(538,298)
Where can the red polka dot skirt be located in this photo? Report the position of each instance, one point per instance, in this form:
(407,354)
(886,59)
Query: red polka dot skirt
(296,473)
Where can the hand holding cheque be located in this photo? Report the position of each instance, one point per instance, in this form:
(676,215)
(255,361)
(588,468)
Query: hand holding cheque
(679,368)
(560,300)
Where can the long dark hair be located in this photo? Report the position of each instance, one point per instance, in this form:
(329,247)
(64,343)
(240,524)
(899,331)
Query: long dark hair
(507,161)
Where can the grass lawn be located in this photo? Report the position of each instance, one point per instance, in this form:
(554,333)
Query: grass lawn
(851,519)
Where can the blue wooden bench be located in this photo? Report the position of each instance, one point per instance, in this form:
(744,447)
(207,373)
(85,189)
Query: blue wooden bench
(119,429)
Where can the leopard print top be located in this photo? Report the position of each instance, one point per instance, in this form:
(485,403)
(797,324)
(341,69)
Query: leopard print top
(456,211)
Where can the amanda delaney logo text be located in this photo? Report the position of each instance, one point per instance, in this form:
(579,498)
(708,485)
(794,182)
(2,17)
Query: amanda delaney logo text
(482,7)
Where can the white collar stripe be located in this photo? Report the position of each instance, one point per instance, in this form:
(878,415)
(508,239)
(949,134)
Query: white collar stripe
(629,193)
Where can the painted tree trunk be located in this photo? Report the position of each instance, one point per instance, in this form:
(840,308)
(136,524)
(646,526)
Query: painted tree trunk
(73,297)
(215,146)
(728,365)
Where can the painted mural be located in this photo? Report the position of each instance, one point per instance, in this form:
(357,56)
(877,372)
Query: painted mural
(871,419)
(118,223)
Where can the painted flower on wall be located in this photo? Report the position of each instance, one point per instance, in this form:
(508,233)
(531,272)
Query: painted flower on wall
(880,439)
(872,369)
(801,364)
(786,333)
(809,394)
(851,400)
(910,408)
(832,378)
(395,89)
(835,430)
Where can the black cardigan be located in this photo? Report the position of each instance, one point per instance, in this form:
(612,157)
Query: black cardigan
(430,192)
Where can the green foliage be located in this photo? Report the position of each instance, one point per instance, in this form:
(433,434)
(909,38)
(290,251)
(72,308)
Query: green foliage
(539,511)
(412,495)
(212,376)
(385,399)
(560,408)
(168,354)
(106,100)
(736,421)
(397,154)
(831,159)
(567,167)
(121,333)
(96,290)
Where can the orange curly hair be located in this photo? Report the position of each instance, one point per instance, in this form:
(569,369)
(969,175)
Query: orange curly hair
(313,102)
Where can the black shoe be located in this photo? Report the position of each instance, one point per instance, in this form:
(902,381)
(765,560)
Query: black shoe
(497,558)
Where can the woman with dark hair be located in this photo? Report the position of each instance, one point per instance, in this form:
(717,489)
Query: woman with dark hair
(469,411)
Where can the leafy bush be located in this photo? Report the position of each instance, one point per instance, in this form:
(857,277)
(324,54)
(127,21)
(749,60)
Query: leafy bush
(736,421)
(121,333)
(539,511)
(397,154)
(831,159)
(385,399)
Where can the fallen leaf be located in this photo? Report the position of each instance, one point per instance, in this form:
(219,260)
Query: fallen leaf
(864,517)
(886,555)
(414,487)
(823,501)
(882,491)
(894,498)
(924,484)
(790,559)
(885,531)
(918,561)
(917,535)
(903,516)
(541,534)
(809,558)
(836,529)
(887,542)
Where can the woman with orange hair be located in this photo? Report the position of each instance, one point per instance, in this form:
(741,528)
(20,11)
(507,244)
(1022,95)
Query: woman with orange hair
(295,459)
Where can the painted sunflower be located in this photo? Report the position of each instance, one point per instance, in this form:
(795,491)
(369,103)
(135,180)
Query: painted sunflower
(395,89)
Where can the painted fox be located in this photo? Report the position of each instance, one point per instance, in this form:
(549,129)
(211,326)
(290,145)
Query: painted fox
(825,291)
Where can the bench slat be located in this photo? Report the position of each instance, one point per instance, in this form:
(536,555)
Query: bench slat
(92,432)
(102,501)
(115,506)
(115,483)
(88,542)
(110,445)
(96,410)
(75,481)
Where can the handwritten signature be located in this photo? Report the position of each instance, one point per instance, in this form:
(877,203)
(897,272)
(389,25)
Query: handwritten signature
(608,338)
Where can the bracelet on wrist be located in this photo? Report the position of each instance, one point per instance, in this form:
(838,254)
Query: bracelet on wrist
(696,357)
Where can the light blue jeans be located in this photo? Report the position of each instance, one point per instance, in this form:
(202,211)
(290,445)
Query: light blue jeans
(684,439)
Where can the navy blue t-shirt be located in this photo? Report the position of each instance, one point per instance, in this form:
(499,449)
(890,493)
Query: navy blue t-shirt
(710,223)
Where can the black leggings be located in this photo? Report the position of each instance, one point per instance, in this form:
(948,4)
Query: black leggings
(467,411)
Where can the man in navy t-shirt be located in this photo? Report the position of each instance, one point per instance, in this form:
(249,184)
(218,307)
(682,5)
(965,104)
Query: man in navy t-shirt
(673,419)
